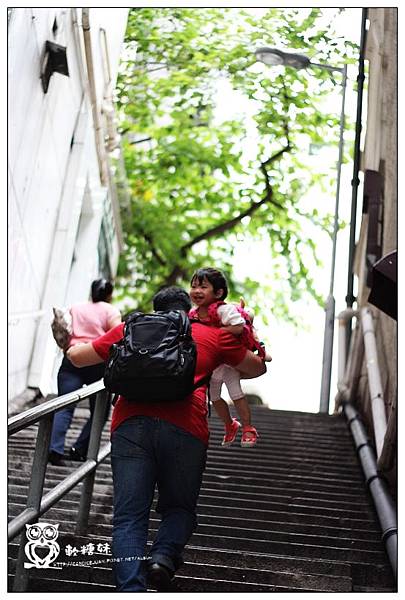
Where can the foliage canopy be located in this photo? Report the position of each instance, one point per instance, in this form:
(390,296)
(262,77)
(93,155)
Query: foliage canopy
(194,184)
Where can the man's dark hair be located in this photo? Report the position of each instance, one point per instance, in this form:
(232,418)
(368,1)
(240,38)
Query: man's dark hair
(215,278)
(101,289)
(172,298)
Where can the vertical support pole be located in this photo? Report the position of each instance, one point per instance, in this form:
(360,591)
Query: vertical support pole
(357,363)
(35,492)
(330,303)
(346,362)
(341,350)
(327,354)
(94,446)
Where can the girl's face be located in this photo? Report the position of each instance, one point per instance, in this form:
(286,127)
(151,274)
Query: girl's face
(202,294)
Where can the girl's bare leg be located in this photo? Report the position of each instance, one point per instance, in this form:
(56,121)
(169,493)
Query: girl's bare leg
(243,409)
(222,409)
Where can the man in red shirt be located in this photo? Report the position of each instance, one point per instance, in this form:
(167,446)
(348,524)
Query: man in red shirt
(163,445)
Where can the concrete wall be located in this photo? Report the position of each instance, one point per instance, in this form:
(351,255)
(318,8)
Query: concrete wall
(380,154)
(56,197)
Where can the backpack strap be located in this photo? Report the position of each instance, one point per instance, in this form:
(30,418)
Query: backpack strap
(185,324)
(201,381)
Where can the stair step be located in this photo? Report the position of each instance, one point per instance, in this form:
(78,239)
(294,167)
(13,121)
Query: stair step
(263,495)
(291,515)
(101,524)
(95,574)
(256,541)
(67,510)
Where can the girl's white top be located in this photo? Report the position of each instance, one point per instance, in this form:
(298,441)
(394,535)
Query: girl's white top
(229,315)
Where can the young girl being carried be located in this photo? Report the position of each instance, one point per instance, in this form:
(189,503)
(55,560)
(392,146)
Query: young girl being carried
(208,292)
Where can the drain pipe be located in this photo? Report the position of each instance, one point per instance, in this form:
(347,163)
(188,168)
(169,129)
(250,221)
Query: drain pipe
(113,139)
(98,128)
(383,502)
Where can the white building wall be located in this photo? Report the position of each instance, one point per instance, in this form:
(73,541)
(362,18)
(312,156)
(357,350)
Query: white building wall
(52,167)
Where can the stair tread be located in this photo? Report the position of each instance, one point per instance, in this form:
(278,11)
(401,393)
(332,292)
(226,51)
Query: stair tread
(292,515)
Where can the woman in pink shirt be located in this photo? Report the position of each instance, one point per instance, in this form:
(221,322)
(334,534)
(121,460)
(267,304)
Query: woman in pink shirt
(89,321)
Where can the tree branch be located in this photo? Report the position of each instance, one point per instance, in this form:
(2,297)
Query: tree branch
(154,251)
(147,139)
(227,225)
(176,273)
(268,198)
(148,238)
(221,228)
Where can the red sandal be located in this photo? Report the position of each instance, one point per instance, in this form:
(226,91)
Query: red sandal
(230,433)
(249,436)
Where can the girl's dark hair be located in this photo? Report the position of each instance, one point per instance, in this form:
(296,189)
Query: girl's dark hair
(101,289)
(215,277)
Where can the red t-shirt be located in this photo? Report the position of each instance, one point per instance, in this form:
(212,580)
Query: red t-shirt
(215,346)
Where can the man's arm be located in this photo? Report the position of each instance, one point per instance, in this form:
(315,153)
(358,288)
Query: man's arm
(251,366)
(83,355)
(95,352)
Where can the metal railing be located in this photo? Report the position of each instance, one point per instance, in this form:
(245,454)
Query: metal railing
(37,503)
(15,318)
(349,371)
(363,346)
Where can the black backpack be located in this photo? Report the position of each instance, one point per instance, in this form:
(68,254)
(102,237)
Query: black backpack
(155,360)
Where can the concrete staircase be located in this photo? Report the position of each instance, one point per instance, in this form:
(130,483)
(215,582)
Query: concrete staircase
(290,515)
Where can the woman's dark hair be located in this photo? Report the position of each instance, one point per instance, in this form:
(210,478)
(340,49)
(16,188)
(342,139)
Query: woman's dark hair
(101,289)
(171,298)
(215,277)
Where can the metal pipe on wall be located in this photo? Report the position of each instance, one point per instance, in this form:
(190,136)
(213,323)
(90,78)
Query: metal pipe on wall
(98,129)
(356,168)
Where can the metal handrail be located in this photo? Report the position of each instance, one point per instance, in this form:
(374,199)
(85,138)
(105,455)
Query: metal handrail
(28,515)
(15,318)
(37,504)
(32,415)
(364,343)
(349,370)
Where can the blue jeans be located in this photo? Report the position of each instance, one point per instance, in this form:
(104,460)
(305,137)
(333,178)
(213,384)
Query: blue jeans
(148,452)
(71,378)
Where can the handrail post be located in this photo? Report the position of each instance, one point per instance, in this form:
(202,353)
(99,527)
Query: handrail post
(358,358)
(35,492)
(347,365)
(342,348)
(327,354)
(94,445)
(374,380)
